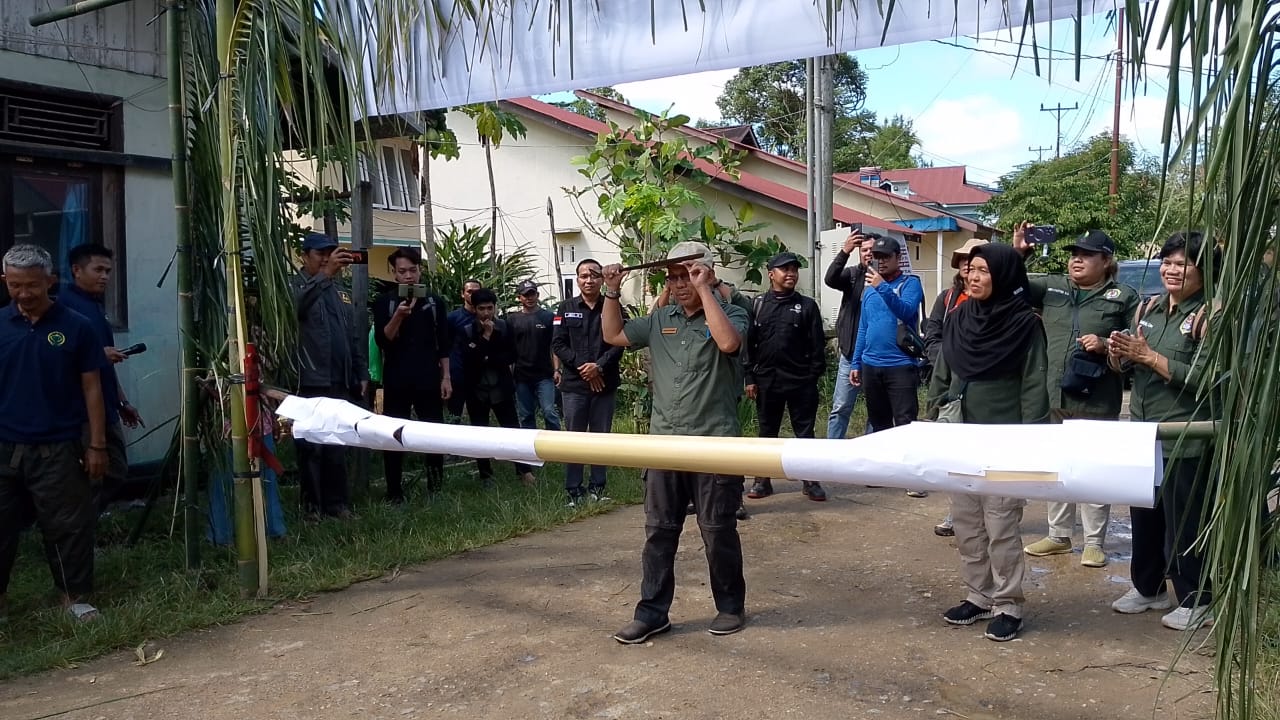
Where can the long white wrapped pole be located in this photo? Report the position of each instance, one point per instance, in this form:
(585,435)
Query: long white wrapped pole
(1078,461)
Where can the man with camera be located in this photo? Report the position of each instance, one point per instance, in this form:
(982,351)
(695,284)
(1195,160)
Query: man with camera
(412,332)
(50,389)
(91,266)
(881,365)
(535,370)
(1080,310)
(330,364)
(851,282)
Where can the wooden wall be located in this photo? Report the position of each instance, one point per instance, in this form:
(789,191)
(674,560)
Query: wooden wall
(118,37)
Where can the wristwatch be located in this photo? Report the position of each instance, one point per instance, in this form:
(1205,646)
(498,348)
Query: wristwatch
(615,294)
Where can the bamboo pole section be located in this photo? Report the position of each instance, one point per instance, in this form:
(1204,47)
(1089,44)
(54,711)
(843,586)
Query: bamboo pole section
(242,474)
(189,452)
(72,10)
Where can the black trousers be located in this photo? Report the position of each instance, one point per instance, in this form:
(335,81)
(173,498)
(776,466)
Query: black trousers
(50,480)
(800,401)
(587,412)
(715,499)
(1163,536)
(322,469)
(429,407)
(478,409)
(891,397)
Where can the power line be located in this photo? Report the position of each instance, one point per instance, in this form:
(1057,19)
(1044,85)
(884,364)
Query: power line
(1040,151)
(1057,112)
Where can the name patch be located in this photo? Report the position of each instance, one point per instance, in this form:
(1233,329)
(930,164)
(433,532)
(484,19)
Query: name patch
(670,330)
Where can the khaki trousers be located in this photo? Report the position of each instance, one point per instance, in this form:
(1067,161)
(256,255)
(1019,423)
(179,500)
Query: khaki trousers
(1094,519)
(989,537)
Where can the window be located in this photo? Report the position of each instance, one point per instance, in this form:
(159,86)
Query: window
(567,254)
(393,173)
(58,205)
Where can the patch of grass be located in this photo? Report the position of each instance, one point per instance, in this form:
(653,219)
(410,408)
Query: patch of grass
(1269,652)
(144,593)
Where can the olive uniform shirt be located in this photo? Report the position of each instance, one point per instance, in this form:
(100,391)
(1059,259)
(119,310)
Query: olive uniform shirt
(695,386)
(1019,398)
(1173,335)
(1102,310)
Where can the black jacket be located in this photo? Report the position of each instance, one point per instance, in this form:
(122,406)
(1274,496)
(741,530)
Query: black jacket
(578,340)
(943,305)
(329,353)
(412,360)
(786,344)
(486,364)
(850,281)
(531,333)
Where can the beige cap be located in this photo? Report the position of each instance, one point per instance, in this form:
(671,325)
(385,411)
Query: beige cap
(691,247)
(965,251)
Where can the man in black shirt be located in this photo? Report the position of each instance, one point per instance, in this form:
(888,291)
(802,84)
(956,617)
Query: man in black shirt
(488,353)
(414,337)
(588,375)
(786,358)
(535,364)
(850,281)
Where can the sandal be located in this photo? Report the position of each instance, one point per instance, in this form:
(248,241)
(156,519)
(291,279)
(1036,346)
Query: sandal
(83,612)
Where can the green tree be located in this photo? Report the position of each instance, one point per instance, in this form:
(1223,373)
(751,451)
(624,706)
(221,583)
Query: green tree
(1072,193)
(891,144)
(646,183)
(771,99)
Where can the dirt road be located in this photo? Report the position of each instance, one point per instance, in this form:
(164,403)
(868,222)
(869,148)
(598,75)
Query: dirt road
(844,599)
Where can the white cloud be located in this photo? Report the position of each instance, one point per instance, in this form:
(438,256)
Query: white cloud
(694,95)
(978,131)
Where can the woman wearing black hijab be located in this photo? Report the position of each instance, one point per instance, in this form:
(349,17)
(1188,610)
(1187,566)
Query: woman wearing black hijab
(993,362)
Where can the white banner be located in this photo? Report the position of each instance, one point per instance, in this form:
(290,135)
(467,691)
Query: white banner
(532,47)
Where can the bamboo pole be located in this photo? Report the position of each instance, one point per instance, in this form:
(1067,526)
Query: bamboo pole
(241,469)
(175,28)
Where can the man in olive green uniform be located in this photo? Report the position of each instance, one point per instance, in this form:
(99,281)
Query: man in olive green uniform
(1163,350)
(697,380)
(1080,311)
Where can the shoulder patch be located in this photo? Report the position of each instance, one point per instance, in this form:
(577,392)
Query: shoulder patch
(1185,327)
(1112,294)
(556,320)
(344,296)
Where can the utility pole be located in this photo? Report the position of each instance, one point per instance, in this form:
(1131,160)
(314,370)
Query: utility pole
(1039,151)
(1115,120)
(1057,112)
(819,121)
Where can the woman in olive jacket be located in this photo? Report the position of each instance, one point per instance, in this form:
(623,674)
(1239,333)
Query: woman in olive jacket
(993,362)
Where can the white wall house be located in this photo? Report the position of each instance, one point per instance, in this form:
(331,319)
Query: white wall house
(84,157)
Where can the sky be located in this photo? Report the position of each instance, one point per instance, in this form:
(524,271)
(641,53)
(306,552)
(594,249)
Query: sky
(975,105)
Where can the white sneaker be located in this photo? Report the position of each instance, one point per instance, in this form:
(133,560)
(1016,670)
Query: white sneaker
(1135,602)
(1185,618)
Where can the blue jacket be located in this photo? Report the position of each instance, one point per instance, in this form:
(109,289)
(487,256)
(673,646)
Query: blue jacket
(882,308)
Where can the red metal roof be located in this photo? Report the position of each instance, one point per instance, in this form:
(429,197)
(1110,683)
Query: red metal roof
(754,183)
(842,180)
(942,185)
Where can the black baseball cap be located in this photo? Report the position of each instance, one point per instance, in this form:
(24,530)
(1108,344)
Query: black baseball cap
(783,259)
(1094,241)
(526,287)
(885,246)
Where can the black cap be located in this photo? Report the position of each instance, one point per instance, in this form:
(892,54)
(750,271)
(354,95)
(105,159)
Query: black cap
(318,241)
(783,259)
(885,246)
(526,287)
(1094,241)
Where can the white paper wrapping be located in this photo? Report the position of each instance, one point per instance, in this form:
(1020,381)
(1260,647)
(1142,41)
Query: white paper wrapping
(337,422)
(1078,461)
(607,43)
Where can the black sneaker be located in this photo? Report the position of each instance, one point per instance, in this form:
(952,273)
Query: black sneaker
(762,489)
(637,631)
(742,513)
(814,491)
(726,624)
(1004,628)
(966,613)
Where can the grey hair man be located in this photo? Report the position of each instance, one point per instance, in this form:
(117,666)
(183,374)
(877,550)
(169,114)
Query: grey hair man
(50,389)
